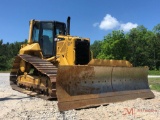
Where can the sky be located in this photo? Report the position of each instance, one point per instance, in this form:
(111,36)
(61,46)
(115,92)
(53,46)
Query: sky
(92,19)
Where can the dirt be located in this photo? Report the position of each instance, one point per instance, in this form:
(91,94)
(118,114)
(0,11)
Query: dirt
(18,106)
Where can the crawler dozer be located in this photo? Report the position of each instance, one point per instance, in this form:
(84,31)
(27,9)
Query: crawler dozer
(54,64)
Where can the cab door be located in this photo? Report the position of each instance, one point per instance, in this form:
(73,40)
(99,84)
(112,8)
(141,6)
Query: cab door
(47,39)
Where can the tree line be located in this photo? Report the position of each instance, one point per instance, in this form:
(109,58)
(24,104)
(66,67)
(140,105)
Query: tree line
(139,46)
(7,53)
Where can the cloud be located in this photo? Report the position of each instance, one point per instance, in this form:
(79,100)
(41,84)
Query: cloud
(110,23)
(96,24)
(127,26)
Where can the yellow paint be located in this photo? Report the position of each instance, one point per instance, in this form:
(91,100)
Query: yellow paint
(66,49)
(110,63)
(22,66)
(30,41)
(32,81)
(30,48)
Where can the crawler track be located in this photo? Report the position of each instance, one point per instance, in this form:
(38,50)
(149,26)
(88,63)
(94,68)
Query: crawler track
(44,67)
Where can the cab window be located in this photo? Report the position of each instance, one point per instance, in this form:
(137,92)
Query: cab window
(35,35)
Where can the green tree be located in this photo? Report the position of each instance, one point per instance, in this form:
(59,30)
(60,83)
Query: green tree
(156,30)
(140,42)
(113,46)
(3,56)
(7,53)
(95,48)
(140,46)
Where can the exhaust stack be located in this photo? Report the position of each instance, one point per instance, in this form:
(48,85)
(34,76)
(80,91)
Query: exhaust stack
(68,25)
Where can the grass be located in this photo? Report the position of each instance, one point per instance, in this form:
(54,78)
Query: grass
(5,71)
(154,84)
(154,72)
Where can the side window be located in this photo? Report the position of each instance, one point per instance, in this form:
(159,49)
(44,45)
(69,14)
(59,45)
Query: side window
(57,32)
(35,35)
(60,29)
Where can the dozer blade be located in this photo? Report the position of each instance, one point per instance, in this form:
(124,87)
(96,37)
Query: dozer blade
(85,86)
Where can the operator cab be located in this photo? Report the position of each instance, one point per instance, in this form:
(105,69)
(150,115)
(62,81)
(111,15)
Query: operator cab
(44,32)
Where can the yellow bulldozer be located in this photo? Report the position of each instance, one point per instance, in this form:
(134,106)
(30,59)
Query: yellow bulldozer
(54,64)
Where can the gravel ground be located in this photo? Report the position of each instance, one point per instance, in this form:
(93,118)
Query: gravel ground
(18,106)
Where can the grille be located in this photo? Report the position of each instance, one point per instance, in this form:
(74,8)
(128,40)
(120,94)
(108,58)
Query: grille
(82,50)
